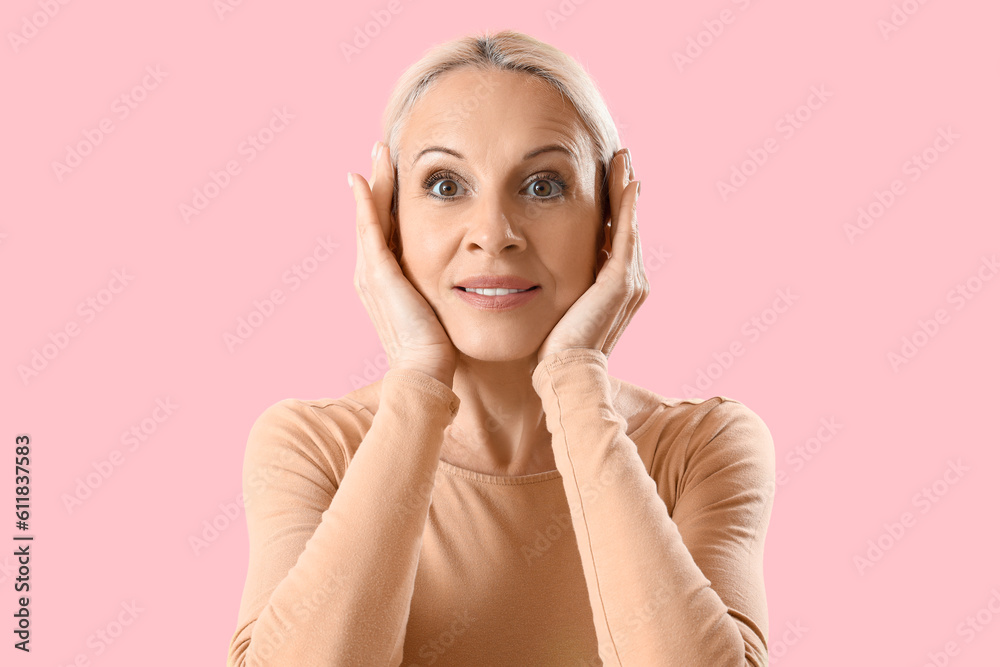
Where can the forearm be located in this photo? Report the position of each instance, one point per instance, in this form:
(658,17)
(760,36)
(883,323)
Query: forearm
(652,605)
(651,602)
(359,566)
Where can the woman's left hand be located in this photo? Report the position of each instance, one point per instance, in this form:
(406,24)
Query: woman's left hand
(599,317)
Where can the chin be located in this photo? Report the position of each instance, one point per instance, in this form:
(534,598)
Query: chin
(494,356)
(494,346)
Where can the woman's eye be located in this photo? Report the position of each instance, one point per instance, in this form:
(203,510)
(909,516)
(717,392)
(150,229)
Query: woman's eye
(545,188)
(445,188)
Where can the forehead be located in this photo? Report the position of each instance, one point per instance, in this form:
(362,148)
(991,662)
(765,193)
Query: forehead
(492,114)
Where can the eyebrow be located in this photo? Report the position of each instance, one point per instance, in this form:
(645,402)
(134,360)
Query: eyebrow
(527,156)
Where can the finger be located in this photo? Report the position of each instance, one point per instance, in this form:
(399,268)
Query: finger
(382,181)
(639,284)
(614,182)
(615,171)
(373,243)
(360,263)
(619,180)
(626,219)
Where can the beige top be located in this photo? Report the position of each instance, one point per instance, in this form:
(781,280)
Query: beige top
(645,547)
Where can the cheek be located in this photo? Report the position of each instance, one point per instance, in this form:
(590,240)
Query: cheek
(424,253)
(573,241)
(570,260)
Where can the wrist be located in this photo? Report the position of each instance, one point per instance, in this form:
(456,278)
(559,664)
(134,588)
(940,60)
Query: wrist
(443,376)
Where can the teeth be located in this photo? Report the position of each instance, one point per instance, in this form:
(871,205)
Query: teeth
(499,291)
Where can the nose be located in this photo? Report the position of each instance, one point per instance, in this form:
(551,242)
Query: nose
(493,228)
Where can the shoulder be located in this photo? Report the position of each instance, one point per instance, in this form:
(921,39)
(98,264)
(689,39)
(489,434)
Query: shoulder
(643,408)
(296,434)
(326,431)
(727,432)
(683,441)
(692,421)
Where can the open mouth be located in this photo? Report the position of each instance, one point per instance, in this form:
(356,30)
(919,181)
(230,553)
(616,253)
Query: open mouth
(495,291)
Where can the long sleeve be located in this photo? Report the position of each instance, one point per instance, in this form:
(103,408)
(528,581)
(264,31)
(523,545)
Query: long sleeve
(681,589)
(334,547)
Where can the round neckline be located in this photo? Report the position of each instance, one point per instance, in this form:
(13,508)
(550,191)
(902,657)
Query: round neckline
(502,480)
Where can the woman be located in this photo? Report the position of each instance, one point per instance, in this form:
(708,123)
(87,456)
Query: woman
(497,498)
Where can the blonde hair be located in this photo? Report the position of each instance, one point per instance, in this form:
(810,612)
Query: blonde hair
(506,50)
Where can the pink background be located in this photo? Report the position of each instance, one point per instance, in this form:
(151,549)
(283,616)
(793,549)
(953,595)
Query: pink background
(714,264)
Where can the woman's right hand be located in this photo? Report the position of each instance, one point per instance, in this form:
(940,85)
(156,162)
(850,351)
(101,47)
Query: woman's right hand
(409,329)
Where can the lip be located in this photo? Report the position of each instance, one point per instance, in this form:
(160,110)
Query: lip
(487,281)
(496,302)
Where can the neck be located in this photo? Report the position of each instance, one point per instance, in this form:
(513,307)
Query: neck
(500,425)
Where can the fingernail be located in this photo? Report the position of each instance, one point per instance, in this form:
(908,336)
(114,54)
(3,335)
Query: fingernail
(628,162)
(637,189)
(381,148)
(375,148)
(350,179)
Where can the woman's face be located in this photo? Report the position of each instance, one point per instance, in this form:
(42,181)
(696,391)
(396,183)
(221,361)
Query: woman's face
(497,176)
